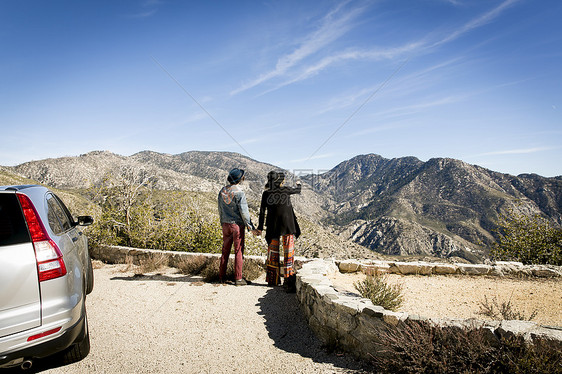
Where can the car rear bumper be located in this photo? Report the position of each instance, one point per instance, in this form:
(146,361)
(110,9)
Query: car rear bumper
(47,348)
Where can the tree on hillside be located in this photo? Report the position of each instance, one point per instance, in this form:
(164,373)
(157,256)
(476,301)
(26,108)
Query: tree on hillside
(528,239)
(119,194)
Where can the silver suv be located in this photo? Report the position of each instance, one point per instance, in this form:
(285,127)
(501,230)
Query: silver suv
(45,275)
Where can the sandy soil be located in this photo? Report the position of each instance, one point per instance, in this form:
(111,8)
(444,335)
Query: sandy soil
(461,296)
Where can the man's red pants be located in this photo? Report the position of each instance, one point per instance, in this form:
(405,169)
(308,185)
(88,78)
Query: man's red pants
(232,235)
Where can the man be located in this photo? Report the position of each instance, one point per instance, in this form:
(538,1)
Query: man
(234,217)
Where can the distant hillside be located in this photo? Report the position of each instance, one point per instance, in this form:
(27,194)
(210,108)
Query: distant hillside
(203,172)
(443,207)
(189,171)
(402,206)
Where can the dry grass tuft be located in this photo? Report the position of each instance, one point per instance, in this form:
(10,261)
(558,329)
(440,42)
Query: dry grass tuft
(208,268)
(503,311)
(192,265)
(152,263)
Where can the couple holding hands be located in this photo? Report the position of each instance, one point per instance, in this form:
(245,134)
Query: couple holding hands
(276,212)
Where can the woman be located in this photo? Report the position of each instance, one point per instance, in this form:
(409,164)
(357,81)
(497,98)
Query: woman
(281,227)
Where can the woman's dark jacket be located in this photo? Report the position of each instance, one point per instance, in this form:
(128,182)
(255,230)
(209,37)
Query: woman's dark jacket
(280,218)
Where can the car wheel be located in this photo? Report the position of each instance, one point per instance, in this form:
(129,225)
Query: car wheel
(90,277)
(79,349)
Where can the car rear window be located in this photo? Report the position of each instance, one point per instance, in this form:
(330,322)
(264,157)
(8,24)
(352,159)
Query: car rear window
(13,229)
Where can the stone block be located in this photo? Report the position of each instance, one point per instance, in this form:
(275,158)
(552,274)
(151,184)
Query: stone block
(545,272)
(508,267)
(445,269)
(474,269)
(392,268)
(347,305)
(374,311)
(350,266)
(376,267)
(417,318)
(553,334)
(509,329)
(330,297)
(323,289)
(414,268)
(393,318)
(345,323)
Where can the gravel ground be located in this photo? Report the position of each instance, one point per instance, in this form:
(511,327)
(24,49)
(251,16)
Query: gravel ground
(172,323)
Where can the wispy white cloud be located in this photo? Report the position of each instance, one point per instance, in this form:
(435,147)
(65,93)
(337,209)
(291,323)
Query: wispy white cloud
(315,157)
(334,25)
(518,151)
(149,8)
(326,62)
(454,2)
(478,22)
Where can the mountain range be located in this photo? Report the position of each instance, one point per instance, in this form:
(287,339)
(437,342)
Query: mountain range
(364,207)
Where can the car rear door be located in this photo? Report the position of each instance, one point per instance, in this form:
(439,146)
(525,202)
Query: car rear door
(62,224)
(20,301)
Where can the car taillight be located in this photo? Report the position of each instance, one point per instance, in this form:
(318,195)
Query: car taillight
(50,263)
(43,334)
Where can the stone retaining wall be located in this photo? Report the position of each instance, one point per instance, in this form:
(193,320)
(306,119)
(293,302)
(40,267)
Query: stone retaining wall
(354,324)
(498,268)
(118,255)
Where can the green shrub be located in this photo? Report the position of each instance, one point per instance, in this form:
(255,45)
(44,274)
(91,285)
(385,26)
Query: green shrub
(376,288)
(528,239)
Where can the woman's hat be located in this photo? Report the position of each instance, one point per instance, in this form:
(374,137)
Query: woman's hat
(235,175)
(274,178)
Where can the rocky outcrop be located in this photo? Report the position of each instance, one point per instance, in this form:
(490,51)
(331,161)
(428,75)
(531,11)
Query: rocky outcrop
(394,236)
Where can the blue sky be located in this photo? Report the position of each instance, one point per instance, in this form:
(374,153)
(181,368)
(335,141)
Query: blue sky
(300,84)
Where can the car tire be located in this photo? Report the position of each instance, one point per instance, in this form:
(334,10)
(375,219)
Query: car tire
(90,277)
(79,349)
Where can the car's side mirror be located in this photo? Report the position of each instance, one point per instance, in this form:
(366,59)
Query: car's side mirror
(85,220)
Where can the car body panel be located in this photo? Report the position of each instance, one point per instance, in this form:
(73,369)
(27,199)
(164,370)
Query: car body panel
(19,291)
(29,307)
(20,300)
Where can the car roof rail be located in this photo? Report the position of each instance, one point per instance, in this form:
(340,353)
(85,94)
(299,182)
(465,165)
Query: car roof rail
(20,187)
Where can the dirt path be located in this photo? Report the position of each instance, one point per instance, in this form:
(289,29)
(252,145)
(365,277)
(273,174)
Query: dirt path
(172,323)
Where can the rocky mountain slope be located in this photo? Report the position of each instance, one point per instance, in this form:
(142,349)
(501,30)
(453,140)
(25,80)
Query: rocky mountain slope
(402,206)
(442,207)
